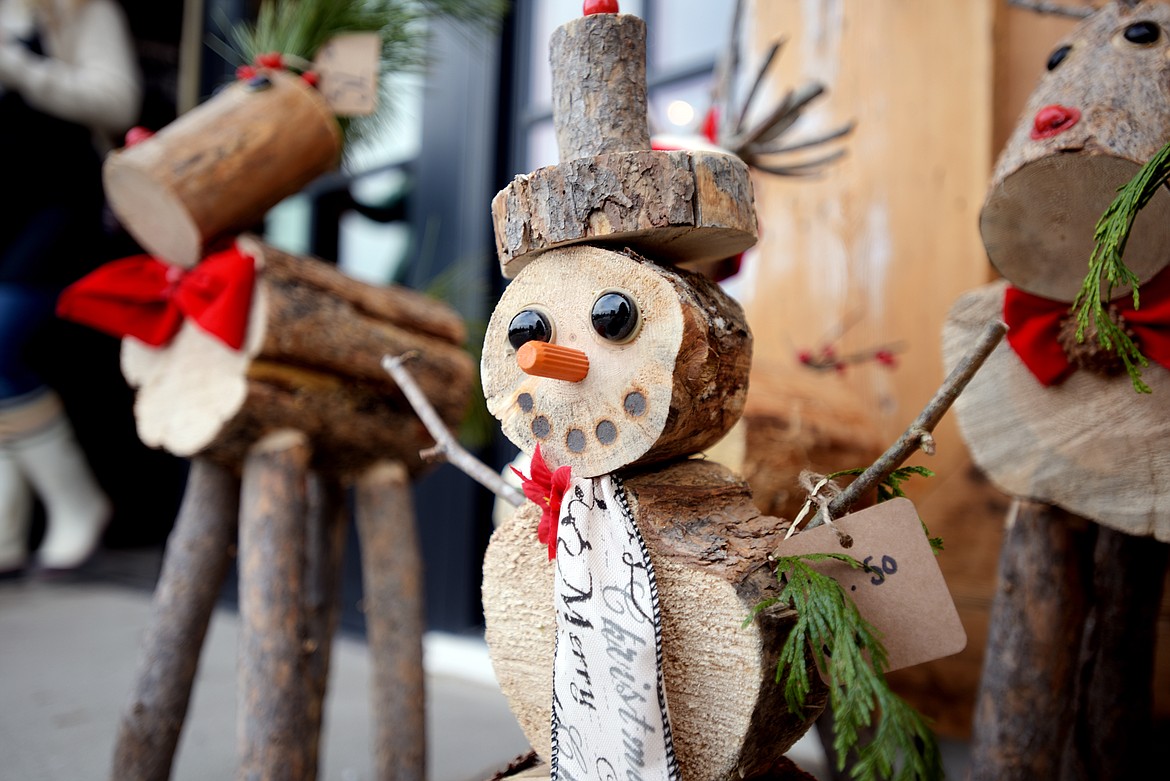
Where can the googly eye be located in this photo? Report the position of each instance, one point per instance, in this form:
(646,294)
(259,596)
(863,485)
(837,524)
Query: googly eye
(615,317)
(1142,33)
(527,326)
(1058,56)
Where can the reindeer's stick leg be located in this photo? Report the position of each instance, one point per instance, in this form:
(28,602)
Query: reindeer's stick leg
(197,558)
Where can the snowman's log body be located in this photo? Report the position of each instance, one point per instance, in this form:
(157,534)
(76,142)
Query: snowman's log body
(220,167)
(678,207)
(1047,193)
(312,361)
(198,555)
(272,730)
(707,541)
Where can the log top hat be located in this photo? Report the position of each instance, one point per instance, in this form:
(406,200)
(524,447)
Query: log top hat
(610,188)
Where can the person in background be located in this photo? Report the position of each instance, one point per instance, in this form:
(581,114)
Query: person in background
(70,84)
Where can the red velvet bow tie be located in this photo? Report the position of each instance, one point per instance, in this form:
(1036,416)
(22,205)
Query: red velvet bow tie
(1034,324)
(145,298)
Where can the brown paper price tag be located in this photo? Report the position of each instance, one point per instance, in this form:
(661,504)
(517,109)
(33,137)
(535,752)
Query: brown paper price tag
(902,593)
(348,69)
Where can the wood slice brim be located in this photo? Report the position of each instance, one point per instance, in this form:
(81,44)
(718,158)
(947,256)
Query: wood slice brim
(672,206)
(1091,445)
(217,169)
(706,541)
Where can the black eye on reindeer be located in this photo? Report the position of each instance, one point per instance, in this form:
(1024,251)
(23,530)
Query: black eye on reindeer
(1142,33)
(1058,56)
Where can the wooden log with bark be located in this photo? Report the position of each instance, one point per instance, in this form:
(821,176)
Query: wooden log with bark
(198,555)
(311,360)
(707,541)
(218,168)
(610,188)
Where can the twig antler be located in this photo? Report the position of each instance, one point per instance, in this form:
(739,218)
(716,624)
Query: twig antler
(757,144)
(1060,9)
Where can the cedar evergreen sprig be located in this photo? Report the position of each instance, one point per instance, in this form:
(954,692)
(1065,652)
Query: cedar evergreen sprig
(849,650)
(1106,265)
(297,29)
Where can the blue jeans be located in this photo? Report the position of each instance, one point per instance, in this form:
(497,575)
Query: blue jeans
(23,310)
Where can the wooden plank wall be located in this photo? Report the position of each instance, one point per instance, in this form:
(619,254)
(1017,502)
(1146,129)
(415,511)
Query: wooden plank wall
(879,248)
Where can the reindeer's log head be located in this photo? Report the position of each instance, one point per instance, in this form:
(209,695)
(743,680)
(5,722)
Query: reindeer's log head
(1101,110)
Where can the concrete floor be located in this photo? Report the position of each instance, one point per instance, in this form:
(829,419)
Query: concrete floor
(68,654)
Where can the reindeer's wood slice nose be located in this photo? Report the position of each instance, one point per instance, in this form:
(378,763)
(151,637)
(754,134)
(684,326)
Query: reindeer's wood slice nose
(554,361)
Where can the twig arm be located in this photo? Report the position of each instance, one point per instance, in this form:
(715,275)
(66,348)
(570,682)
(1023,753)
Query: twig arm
(446,446)
(918,435)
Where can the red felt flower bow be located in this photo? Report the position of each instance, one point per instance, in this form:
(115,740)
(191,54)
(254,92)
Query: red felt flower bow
(1034,324)
(546,489)
(145,298)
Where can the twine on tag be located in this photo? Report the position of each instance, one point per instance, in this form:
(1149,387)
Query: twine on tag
(813,484)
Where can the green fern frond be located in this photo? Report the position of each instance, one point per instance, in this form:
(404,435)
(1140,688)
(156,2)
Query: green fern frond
(850,652)
(1107,267)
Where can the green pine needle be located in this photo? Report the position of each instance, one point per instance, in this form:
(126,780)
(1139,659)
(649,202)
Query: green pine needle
(849,650)
(1106,266)
(299,28)
(891,487)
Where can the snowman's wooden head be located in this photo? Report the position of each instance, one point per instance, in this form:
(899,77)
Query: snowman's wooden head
(1100,110)
(606,359)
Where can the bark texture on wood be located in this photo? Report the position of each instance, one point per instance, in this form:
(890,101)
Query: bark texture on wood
(599,85)
(1090,445)
(272,729)
(197,558)
(1113,733)
(326,524)
(218,168)
(674,207)
(312,361)
(1047,194)
(708,544)
(392,587)
(1024,709)
(671,390)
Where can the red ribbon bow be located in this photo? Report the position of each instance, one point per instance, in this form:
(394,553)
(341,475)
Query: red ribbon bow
(546,489)
(1034,324)
(143,297)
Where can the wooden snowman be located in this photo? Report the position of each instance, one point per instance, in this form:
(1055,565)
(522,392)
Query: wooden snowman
(1057,424)
(614,603)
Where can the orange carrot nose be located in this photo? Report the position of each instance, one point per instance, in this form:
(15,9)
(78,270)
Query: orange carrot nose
(542,359)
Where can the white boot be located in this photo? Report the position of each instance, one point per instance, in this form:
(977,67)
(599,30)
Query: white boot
(76,508)
(15,515)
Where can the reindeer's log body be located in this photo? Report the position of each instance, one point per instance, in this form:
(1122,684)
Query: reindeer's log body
(198,554)
(220,167)
(312,361)
(706,541)
(1074,445)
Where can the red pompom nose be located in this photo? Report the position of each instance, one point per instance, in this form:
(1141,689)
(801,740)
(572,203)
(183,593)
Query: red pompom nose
(1053,120)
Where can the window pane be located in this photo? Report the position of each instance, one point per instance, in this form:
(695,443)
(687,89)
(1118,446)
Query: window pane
(688,32)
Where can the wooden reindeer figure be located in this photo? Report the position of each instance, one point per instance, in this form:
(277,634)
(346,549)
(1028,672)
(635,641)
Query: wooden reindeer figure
(262,367)
(1055,422)
(619,641)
